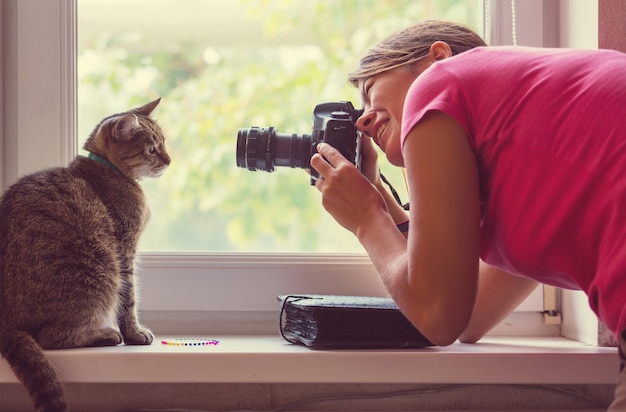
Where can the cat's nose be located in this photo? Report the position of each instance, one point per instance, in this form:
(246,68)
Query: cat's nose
(166,158)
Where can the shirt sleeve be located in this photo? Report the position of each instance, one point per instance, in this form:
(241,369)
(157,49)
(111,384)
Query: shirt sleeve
(437,89)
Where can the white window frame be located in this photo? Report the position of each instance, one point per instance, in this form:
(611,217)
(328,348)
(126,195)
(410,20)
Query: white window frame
(39,106)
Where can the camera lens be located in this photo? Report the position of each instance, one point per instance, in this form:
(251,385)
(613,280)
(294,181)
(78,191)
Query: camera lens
(260,148)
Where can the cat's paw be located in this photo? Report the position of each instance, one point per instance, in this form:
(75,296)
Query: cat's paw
(105,337)
(138,336)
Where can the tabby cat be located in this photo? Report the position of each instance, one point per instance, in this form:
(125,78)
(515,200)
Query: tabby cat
(68,238)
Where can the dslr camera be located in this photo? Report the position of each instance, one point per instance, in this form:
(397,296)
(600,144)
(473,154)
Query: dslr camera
(263,148)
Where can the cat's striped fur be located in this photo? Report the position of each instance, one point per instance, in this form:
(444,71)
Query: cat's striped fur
(68,238)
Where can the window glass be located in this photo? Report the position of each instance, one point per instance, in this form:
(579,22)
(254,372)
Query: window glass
(224,65)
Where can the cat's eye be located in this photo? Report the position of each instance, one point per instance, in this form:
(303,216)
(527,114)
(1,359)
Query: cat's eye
(151,150)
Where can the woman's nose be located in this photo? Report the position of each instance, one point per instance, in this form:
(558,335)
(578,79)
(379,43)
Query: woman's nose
(364,122)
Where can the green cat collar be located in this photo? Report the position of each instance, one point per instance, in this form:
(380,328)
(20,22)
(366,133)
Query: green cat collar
(102,160)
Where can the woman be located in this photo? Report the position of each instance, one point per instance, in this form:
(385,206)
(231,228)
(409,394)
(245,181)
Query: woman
(514,156)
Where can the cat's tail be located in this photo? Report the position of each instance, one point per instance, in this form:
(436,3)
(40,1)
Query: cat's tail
(34,370)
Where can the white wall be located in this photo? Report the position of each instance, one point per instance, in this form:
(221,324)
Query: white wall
(578,24)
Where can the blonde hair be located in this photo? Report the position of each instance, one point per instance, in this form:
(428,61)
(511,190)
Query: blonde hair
(408,46)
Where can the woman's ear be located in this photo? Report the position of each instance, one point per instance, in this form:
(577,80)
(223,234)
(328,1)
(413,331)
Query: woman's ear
(440,50)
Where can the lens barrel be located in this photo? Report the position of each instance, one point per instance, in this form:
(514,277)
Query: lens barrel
(260,148)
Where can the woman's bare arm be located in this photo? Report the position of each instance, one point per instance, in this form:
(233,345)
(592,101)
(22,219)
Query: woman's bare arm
(443,243)
(499,293)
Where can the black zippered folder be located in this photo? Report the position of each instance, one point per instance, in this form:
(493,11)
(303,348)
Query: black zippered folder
(346,322)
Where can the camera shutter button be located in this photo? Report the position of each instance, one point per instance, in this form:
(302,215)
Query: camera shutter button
(340,115)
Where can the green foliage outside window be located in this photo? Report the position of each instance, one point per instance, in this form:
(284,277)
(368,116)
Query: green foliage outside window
(267,63)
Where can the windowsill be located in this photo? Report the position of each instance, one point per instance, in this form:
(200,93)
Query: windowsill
(269,359)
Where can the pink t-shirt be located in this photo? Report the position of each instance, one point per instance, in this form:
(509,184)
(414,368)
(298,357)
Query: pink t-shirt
(548,128)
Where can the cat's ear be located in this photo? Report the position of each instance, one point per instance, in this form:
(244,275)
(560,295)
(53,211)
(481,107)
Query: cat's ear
(146,109)
(124,127)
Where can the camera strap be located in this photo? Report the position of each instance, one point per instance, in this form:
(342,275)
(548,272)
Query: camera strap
(395,194)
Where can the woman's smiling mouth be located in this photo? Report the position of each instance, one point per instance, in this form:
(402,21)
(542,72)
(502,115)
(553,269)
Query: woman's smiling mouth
(380,132)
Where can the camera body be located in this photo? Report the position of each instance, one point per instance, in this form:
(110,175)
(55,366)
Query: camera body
(333,123)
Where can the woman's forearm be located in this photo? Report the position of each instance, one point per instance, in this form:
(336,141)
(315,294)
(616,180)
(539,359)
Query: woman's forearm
(397,212)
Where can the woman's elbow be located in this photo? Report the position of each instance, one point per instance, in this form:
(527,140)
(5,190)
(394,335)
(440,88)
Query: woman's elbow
(442,340)
(468,338)
(473,332)
(443,333)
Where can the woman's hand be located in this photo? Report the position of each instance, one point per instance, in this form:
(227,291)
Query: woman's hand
(347,194)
